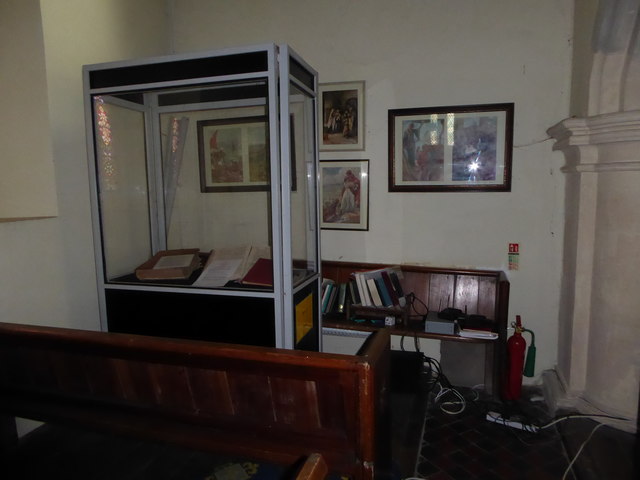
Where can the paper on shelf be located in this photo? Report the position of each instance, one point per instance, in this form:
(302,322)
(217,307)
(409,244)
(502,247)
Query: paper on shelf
(228,264)
(467,333)
(218,273)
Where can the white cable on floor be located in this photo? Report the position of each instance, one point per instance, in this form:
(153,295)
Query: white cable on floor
(461,402)
(566,472)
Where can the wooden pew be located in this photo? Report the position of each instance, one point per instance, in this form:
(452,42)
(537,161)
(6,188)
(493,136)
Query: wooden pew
(314,468)
(262,403)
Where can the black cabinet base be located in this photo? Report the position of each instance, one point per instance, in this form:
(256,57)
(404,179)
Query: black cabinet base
(216,318)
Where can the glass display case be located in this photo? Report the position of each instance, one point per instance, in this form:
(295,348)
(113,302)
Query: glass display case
(204,196)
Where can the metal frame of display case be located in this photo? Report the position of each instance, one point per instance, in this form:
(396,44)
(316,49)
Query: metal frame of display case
(281,69)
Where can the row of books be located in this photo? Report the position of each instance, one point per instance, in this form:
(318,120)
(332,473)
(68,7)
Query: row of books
(334,296)
(371,288)
(380,287)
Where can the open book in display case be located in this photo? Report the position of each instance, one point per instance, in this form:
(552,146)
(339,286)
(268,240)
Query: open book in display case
(204,166)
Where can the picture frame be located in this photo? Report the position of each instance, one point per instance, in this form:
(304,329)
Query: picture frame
(344,194)
(451,149)
(341,116)
(234,154)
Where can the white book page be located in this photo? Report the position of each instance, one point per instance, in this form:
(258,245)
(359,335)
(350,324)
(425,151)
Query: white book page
(174,261)
(218,272)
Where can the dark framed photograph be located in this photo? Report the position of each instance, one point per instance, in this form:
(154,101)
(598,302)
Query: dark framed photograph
(344,194)
(448,149)
(234,154)
(341,116)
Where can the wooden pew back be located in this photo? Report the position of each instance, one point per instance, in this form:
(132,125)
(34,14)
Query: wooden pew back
(262,403)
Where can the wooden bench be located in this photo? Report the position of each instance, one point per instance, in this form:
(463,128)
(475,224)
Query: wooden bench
(477,292)
(262,403)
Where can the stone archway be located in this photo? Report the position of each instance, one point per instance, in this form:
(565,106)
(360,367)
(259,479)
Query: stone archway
(599,347)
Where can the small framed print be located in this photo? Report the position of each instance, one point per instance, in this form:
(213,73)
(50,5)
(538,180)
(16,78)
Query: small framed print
(341,116)
(344,194)
(234,154)
(451,149)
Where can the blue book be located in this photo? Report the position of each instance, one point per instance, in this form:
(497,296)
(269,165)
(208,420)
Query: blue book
(326,297)
(384,293)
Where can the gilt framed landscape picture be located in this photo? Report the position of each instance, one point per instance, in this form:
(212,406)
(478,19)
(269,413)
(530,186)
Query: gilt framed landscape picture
(341,116)
(460,148)
(233,154)
(344,194)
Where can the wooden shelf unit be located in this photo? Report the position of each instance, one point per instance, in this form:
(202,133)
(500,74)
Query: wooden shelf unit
(481,292)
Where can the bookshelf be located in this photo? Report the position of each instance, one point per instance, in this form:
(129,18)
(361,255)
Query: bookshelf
(481,292)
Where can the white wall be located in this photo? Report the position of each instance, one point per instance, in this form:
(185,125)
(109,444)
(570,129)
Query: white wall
(47,266)
(418,54)
(584,18)
(410,53)
(27,187)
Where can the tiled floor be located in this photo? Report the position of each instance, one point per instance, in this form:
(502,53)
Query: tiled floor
(468,447)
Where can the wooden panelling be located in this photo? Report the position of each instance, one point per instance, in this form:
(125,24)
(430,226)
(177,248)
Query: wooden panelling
(419,284)
(252,398)
(68,370)
(288,408)
(487,288)
(331,409)
(441,292)
(171,385)
(211,393)
(136,382)
(271,404)
(438,288)
(102,375)
(466,293)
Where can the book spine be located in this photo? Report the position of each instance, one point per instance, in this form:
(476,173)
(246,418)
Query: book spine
(333,299)
(326,297)
(384,294)
(342,297)
(353,290)
(364,290)
(373,291)
(398,287)
(389,286)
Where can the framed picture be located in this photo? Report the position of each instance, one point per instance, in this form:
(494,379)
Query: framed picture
(450,149)
(344,194)
(234,154)
(341,116)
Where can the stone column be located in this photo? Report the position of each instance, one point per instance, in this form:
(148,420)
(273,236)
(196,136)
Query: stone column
(599,338)
(599,325)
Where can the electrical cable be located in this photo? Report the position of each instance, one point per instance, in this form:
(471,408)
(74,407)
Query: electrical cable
(575,457)
(444,406)
(580,415)
(412,298)
(450,407)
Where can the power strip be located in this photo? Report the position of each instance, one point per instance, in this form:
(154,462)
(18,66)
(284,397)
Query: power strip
(497,418)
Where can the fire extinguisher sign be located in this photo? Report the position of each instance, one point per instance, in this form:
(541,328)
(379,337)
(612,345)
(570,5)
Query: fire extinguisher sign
(514,256)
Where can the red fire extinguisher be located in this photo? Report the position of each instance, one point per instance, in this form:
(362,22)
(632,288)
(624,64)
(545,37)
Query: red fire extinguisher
(516,346)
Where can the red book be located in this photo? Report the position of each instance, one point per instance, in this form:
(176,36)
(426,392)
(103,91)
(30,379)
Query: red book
(260,274)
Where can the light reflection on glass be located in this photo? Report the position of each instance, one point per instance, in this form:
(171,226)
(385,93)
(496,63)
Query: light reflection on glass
(450,128)
(108,170)
(434,131)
